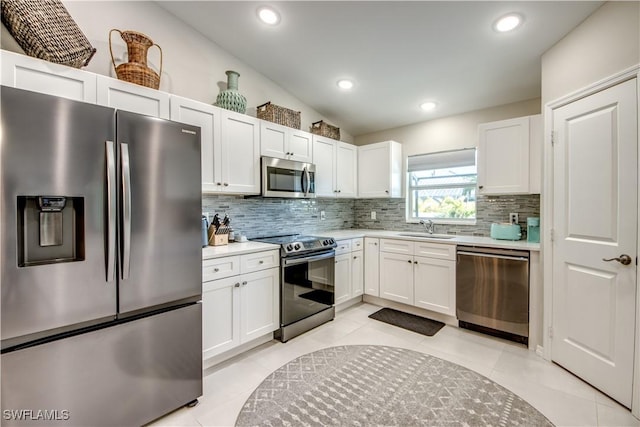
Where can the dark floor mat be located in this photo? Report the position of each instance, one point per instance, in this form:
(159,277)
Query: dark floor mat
(414,323)
(319,295)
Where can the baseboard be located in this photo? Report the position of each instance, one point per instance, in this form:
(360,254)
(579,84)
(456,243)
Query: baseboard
(219,358)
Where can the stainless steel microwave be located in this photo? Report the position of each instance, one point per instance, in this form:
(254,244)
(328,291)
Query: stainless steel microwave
(287,178)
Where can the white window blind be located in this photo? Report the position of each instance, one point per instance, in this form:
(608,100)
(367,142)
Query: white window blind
(442,160)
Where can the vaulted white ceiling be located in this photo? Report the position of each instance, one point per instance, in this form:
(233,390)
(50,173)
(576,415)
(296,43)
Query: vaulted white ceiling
(399,53)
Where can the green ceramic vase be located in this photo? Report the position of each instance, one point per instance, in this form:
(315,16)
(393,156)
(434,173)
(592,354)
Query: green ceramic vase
(231,99)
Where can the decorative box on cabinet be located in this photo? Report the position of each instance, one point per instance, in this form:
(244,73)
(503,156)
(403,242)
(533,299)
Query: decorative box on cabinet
(285,143)
(336,167)
(380,170)
(131,97)
(509,156)
(28,73)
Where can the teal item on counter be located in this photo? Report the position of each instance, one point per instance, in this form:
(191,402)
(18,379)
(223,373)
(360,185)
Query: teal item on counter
(506,231)
(533,230)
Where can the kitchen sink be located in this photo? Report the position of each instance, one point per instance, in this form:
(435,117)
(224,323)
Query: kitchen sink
(427,235)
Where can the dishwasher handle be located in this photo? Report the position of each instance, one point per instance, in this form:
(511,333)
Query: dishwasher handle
(485,255)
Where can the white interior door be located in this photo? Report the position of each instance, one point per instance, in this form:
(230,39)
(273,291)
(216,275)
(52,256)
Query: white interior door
(596,218)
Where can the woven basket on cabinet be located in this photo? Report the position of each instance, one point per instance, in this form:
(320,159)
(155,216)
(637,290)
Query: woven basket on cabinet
(280,115)
(44,29)
(325,129)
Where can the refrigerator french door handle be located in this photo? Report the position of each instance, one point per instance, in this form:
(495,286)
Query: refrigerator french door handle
(111,210)
(126,209)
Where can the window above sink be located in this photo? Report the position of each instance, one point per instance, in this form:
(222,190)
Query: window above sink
(442,187)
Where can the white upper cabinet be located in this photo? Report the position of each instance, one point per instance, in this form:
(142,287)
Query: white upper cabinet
(324,157)
(208,117)
(336,167)
(131,97)
(24,72)
(240,154)
(380,170)
(509,156)
(346,170)
(285,143)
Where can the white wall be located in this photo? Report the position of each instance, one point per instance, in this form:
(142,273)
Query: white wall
(606,42)
(193,66)
(449,133)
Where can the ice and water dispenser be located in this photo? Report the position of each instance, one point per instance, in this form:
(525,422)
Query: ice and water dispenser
(50,229)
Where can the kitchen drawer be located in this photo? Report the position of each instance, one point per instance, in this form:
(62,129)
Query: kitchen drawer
(218,268)
(435,250)
(344,247)
(357,244)
(259,261)
(396,246)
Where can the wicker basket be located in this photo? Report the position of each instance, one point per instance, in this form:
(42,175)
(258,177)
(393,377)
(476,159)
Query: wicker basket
(45,30)
(280,115)
(325,129)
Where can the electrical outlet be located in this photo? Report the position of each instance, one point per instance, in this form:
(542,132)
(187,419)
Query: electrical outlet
(322,216)
(513,218)
(373,215)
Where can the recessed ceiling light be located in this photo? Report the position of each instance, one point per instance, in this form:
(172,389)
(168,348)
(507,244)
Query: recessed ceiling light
(345,84)
(508,22)
(428,106)
(268,15)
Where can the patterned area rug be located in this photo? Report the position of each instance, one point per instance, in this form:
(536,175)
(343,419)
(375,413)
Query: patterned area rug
(376,385)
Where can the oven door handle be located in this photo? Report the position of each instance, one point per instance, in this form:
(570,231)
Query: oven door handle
(311,258)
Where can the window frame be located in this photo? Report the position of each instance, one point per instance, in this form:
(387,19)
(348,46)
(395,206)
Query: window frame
(410,200)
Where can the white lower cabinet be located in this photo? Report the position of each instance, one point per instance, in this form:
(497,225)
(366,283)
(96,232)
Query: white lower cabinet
(434,284)
(342,278)
(396,277)
(241,307)
(372,266)
(419,274)
(349,273)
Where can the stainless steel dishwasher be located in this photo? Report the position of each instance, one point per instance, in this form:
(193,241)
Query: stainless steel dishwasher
(492,291)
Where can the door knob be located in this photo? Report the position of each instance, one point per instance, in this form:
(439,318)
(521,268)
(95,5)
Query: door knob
(623,259)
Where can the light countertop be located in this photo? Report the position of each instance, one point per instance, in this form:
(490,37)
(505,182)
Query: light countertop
(250,247)
(236,249)
(456,240)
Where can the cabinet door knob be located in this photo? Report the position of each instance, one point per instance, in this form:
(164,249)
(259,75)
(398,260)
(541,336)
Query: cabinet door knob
(355,257)
(218,183)
(261,262)
(386,191)
(237,285)
(415,262)
(215,270)
(291,153)
(409,261)
(226,184)
(244,283)
(480,187)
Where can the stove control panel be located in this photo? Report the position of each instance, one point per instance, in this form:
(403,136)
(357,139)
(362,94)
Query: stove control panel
(308,246)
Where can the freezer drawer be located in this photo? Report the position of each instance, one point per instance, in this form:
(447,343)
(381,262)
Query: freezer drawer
(124,375)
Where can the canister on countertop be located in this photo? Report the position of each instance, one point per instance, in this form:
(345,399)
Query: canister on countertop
(533,230)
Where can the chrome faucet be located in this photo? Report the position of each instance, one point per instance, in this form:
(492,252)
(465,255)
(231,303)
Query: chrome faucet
(428,225)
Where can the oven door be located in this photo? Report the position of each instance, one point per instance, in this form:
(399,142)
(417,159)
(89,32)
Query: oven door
(287,178)
(307,286)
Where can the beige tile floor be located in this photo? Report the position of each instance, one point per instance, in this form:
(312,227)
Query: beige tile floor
(562,397)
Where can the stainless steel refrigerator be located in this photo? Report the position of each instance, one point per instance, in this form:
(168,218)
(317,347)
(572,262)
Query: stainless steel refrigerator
(100,263)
